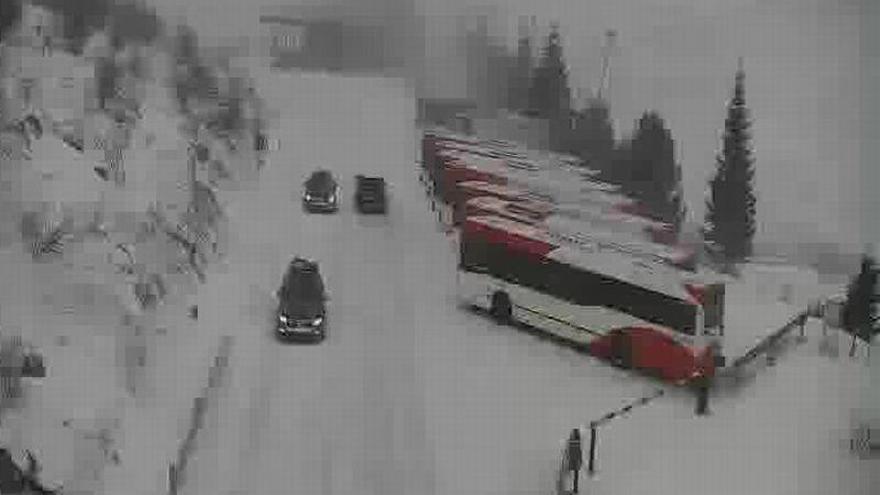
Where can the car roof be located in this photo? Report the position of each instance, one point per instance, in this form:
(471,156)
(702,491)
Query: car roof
(320,178)
(303,263)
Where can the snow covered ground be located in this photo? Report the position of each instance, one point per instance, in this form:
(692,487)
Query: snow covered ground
(409,394)
(71,309)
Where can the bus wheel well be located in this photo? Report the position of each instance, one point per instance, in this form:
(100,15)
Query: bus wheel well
(501,308)
(621,350)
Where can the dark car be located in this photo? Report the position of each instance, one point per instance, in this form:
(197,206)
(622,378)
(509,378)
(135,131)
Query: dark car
(370,195)
(301,311)
(321,192)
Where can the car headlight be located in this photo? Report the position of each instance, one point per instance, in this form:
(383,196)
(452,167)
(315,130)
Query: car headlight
(308,197)
(317,321)
(282,319)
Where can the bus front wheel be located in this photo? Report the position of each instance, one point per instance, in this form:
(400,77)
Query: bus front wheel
(501,308)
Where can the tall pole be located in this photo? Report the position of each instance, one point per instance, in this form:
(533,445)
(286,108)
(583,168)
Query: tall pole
(608,50)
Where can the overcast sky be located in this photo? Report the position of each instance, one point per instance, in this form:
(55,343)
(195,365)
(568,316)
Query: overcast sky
(678,57)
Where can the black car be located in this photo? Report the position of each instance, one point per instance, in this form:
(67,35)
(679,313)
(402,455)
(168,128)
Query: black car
(301,311)
(321,192)
(370,195)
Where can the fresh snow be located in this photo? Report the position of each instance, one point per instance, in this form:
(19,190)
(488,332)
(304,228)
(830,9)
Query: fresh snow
(412,394)
(409,394)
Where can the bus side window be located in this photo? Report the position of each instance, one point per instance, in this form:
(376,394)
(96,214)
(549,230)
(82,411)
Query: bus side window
(564,283)
(496,261)
(474,256)
(506,263)
(533,272)
(545,275)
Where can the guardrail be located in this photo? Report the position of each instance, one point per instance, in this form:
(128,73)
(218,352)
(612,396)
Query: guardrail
(177,469)
(798,320)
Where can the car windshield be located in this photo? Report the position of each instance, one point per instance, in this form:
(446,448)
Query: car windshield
(305,285)
(320,180)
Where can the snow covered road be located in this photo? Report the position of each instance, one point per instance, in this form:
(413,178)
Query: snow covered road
(411,395)
(345,416)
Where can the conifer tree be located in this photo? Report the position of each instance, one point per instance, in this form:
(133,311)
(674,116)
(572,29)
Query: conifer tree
(549,94)
(860,311)
(10,15)
(520,74)
(593,137)
(730,209)
(654,177)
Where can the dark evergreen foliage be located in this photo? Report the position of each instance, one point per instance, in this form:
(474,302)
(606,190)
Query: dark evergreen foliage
(730,209)
(860,311)
(549,94)
(10,15)
(592,137)
(520,74)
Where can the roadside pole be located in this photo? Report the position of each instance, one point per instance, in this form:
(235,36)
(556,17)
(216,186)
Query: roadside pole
(594,426)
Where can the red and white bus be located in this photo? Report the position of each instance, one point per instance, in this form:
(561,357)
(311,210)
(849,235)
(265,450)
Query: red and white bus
(525,166)
(604,233)
(468,190)
(612,218)
(525,212)
(637,314)
(618,235)
(453,160)
(453,168)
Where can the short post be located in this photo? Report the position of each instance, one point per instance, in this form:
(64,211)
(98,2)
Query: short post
(172,479)
(802,323)
(575,456)
(591,464)
(702,384)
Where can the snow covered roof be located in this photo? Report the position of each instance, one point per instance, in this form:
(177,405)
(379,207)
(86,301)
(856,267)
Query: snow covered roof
(657,277)
(652,276)
(487,202)
(595,185)
(520,229)
(478,186)
(626,221)
(479,161)
(627,243)
(502,208)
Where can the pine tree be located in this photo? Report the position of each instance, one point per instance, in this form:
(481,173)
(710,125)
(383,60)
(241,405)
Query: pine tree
(78,19)
(860,312)
(549,94)
(477,49)
(518,87)
(593,137)
(619,172)
(10,15)
(654,175)
(730,210)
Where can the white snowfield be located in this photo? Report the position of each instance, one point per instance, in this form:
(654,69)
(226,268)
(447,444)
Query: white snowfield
(410,394)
